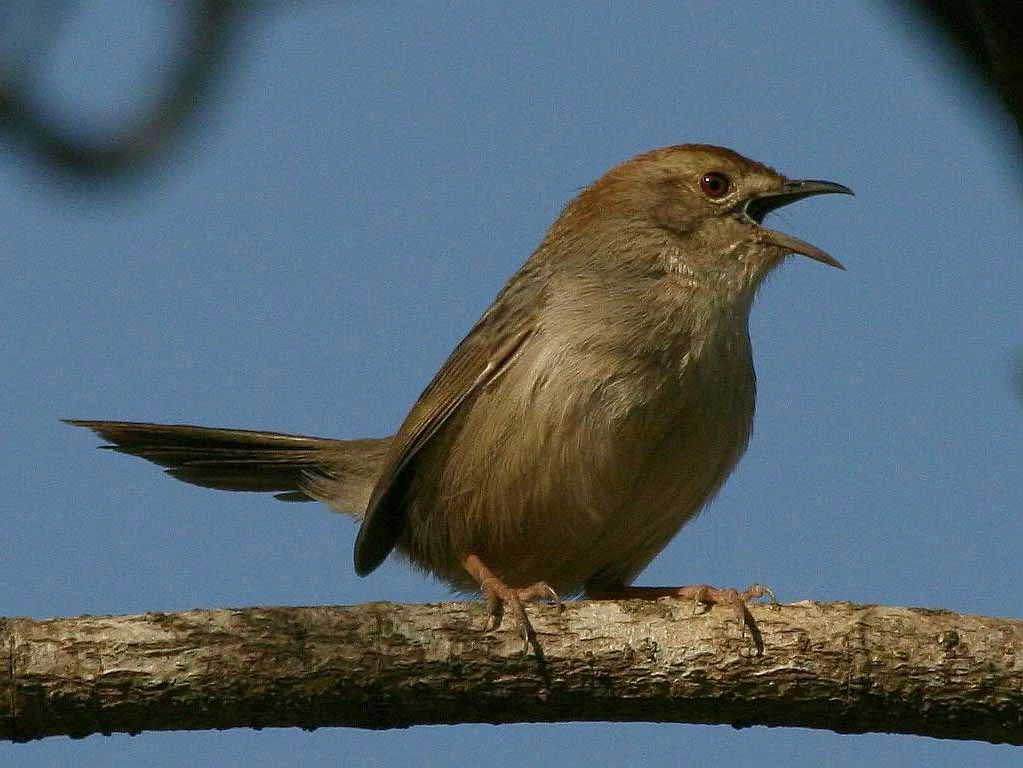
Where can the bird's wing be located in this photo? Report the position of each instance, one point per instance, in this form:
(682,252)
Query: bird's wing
(471,367)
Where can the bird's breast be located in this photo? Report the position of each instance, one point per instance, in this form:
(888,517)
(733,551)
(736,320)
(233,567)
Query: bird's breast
(578,465)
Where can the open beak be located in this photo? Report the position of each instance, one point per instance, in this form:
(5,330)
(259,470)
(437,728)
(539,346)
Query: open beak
(789,192)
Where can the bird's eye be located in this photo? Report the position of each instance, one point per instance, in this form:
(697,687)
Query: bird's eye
(715,184)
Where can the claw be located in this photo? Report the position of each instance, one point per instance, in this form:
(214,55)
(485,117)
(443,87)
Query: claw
(756,591)
(703,597)
(499,597)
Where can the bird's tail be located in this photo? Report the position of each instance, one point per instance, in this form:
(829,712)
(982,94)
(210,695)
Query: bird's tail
(293,467)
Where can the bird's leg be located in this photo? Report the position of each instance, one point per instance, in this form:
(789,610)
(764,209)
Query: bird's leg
(704,597)
(497,596)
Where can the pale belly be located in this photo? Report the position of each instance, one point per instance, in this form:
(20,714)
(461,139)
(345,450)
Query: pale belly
(578,490)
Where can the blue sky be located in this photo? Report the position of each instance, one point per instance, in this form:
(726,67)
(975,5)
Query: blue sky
(368,177)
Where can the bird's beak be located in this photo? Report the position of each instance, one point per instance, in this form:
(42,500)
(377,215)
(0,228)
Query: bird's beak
(758,207)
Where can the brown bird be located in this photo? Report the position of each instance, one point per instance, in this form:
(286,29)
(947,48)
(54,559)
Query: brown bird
(593,409)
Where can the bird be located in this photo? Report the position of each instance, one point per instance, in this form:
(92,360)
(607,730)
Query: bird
(596,406)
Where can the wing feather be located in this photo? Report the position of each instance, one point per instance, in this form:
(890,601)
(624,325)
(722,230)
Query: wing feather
(470,368)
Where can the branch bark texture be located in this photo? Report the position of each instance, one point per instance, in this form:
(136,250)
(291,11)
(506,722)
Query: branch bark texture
(836,666)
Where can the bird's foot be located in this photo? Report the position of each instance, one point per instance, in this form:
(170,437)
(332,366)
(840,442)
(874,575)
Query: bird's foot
(498,597)
(703,597)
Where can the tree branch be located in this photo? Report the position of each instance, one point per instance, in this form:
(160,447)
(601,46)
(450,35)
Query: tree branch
(838,666)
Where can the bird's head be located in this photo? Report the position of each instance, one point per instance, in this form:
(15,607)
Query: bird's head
(708,205)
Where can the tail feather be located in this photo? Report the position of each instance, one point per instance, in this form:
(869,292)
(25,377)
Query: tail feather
(246,460)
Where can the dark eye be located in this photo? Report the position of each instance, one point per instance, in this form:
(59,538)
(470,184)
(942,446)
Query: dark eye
(715,184)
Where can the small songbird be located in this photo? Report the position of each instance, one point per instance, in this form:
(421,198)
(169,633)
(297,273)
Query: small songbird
(593,409)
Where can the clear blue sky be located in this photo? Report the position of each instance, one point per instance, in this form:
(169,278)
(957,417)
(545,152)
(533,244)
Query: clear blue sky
(368,177)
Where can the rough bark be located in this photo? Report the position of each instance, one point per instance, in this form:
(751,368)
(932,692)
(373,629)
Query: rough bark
(838,666)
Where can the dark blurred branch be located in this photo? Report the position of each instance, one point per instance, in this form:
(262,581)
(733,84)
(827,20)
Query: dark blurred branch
(209,30)
(989,35)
